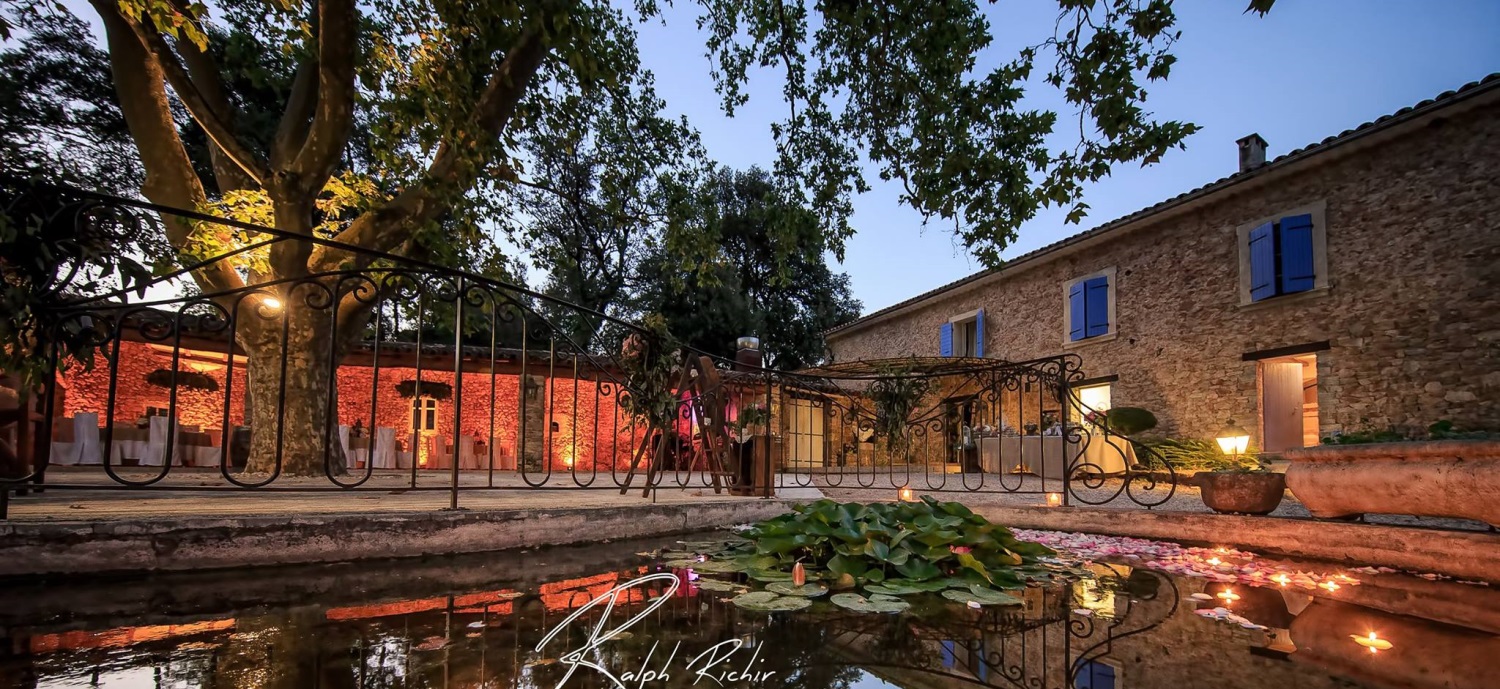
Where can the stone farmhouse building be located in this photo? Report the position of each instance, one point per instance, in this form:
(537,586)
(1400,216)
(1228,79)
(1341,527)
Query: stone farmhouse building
(1353,284)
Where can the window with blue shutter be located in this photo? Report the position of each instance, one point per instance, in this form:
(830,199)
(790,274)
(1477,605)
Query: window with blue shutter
(1076,323)
(1096,306)
(1282,257)
(945,339)
(1088,308)
(1263,262)
(1297,271)
(979,334)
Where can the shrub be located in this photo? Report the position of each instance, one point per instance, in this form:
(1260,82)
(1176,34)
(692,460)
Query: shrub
(1194,455)
(1130,420)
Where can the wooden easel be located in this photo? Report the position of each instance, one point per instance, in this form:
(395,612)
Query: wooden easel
(710,402)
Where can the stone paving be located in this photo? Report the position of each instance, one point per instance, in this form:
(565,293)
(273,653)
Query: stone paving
(202,492)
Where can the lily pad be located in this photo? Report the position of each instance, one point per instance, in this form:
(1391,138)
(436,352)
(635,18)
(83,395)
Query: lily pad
(878,603)
(937,585)
(719,586)
(785,588)
(717,566)
(768,575)
(981,596)
(683,563)
(892,589)
(766,601)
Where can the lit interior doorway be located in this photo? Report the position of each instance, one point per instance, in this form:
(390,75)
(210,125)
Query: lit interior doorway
(805,431)
(1289,402)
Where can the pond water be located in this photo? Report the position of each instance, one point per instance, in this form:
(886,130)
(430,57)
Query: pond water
(478,622)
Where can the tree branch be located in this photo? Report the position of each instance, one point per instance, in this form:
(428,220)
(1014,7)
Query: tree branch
(170,178)
(292,131)
(334,118)
(214,123)
(386,227)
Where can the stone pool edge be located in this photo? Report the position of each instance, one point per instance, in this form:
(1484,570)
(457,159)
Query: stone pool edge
(30,549)
(1470,555)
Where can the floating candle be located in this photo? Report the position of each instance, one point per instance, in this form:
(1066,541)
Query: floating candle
(1372,642)
(904,495)
(1054,499)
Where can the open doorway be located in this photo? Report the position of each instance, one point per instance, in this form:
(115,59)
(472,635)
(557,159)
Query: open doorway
(1289,402)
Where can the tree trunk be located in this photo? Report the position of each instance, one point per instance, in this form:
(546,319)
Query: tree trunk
(297,419)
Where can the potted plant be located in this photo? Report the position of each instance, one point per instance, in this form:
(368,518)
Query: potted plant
(1248,486)
(1444,472)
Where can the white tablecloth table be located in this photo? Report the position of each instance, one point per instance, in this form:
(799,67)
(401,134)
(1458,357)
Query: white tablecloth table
(1047,455)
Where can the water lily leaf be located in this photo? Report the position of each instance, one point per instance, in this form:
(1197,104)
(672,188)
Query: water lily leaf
(717,566)
(785,588)
(880,551)
(932,585)
(719,586)
(981,596)
(892,589)
(757,561)
(918,569)
(874,604)
(938,538)
(843,564)
(769,602)
(768,575)
(969,562)
(874,575)
(682,564)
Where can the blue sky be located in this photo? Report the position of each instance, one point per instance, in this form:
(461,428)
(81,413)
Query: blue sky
(1309,69)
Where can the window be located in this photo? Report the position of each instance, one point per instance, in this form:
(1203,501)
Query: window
(424,413)
(1095,674)
(1090,399)
(1089,309)
(1282,255)
(962,335)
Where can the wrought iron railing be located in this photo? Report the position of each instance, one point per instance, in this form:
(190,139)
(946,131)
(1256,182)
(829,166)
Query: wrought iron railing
(384,372)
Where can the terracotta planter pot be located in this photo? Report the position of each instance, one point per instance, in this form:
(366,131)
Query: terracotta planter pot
(1241,492)
(1441,478)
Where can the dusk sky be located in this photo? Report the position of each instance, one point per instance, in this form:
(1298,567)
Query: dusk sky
(1308,70)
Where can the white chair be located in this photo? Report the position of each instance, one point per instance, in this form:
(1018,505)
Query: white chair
(156,446)
(384,456)
(467,458)
(86,448)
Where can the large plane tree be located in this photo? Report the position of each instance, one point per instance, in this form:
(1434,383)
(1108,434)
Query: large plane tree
(440,92)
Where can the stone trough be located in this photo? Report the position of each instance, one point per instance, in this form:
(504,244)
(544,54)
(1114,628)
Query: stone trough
(1441,478)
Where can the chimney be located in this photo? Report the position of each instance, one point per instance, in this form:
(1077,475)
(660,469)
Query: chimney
(747,354)
(1252,152)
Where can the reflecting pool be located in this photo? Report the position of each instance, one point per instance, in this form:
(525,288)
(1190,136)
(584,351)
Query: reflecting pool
(523,621)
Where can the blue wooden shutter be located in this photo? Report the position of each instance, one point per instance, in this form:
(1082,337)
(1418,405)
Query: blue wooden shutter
(1076,322)
(979,334)
(945,339)
(1262,262)
(1096,306)
(1297,271)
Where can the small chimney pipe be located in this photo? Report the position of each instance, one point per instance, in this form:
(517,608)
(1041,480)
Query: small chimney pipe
(1252,152)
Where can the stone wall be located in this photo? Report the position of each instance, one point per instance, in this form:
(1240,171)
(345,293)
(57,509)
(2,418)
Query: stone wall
(1411,313)
(590,429)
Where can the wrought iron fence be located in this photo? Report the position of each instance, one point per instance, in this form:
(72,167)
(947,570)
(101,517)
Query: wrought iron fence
(380,372)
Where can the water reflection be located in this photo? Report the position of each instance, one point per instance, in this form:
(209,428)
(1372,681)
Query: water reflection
(476,623)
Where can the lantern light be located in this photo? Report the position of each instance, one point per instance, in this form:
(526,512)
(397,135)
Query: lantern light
(1233,440)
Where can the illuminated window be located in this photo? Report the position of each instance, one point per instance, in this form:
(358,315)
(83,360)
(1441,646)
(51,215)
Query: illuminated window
(424,413)
(1091,398)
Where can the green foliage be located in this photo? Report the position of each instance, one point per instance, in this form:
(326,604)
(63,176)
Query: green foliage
(768,275)
(46,257)
(650,363)
(1197,455)
(892,544)
(1130,420)
(1440,430)
(895,395)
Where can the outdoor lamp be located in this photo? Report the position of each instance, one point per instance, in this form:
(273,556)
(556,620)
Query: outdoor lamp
(1233,440)
(271,303)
